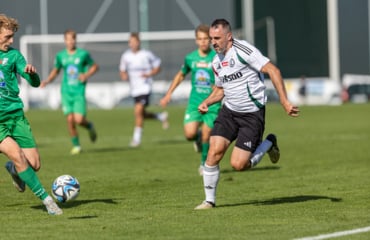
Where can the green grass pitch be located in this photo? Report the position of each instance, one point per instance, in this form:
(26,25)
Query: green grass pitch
(320,185)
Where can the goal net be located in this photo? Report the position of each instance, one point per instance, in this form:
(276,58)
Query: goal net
(105,89)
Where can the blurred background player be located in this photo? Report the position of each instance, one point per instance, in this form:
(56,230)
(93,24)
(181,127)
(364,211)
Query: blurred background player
(16,140)
(239,68)
(77,66)
(199,63)
(138,66)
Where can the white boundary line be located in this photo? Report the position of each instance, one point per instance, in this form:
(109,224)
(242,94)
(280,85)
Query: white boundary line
(336,234)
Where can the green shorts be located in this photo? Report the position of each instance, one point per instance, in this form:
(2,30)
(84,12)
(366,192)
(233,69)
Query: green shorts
(193,115)
(74,104)
(19,129)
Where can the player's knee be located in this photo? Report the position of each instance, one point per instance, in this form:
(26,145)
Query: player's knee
(240,165)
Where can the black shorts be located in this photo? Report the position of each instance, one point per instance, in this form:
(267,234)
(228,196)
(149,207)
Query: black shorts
(246,128)
(142,99)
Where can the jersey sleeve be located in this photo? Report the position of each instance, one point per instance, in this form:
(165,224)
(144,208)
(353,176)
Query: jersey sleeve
(122,63)
(154,60)
(185,68)
(32,79)
(58,61)
(250,55)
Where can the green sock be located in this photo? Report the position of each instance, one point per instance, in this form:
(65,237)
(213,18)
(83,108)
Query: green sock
(32,181)
(75,141)
(205,147)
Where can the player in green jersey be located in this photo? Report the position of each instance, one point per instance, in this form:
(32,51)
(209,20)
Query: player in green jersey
(16,139)
(77,66)
(199,63)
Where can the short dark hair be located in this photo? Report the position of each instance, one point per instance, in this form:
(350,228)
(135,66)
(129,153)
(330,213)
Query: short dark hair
(223,22)
(135,35)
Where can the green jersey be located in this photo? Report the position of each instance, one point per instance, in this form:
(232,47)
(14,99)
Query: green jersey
(12,63)
(73,65)
(202,77)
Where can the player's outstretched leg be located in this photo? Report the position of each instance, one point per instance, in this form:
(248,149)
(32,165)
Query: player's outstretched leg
(273,152)
(17,182)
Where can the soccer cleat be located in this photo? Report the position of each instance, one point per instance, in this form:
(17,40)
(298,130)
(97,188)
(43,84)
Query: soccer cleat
(197,144)
(18,183)
(200,170)
(134,144)
(274,152)
(205,205)
(76,150)
(92,133)
(52,207)
(164,120)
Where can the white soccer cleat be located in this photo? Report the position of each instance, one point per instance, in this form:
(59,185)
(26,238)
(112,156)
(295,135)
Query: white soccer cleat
(274,152)
(76,150)
(164,120)
(200,170)
(134,144)
(52,207)
(205,205)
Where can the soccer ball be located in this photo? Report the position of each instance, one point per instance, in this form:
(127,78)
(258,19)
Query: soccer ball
(65,188)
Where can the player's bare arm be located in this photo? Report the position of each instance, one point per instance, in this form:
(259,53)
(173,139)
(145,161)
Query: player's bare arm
(216,96)
(53,74)
(152,73)
(92,70)
(278,82)
(179,77)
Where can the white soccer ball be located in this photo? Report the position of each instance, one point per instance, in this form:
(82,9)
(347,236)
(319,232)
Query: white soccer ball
(65,188)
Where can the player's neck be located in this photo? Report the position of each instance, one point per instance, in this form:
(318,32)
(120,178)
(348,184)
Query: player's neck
(203,53)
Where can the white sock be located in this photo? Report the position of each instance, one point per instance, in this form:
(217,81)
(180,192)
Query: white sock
(211,175)
(260,151)
(137,134)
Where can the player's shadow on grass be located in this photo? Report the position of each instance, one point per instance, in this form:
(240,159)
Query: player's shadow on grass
(266,168)
(284,200)
(77,202)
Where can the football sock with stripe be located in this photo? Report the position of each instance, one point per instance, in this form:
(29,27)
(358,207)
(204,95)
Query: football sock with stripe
(32,181)
(211,175)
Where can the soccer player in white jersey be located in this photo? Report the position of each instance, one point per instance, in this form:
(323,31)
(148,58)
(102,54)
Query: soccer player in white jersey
(138,66)
(239,69)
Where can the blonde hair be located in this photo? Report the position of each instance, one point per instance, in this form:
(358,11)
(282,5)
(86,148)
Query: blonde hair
(71,32)
(202,28)
(8,23)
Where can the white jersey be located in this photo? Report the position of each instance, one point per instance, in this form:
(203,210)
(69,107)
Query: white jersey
(238,73)
(137,64)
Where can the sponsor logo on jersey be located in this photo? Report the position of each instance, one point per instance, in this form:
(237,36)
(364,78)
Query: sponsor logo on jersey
(202,65)
(232,62)
(225,64)
(3,61)
(231,77)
